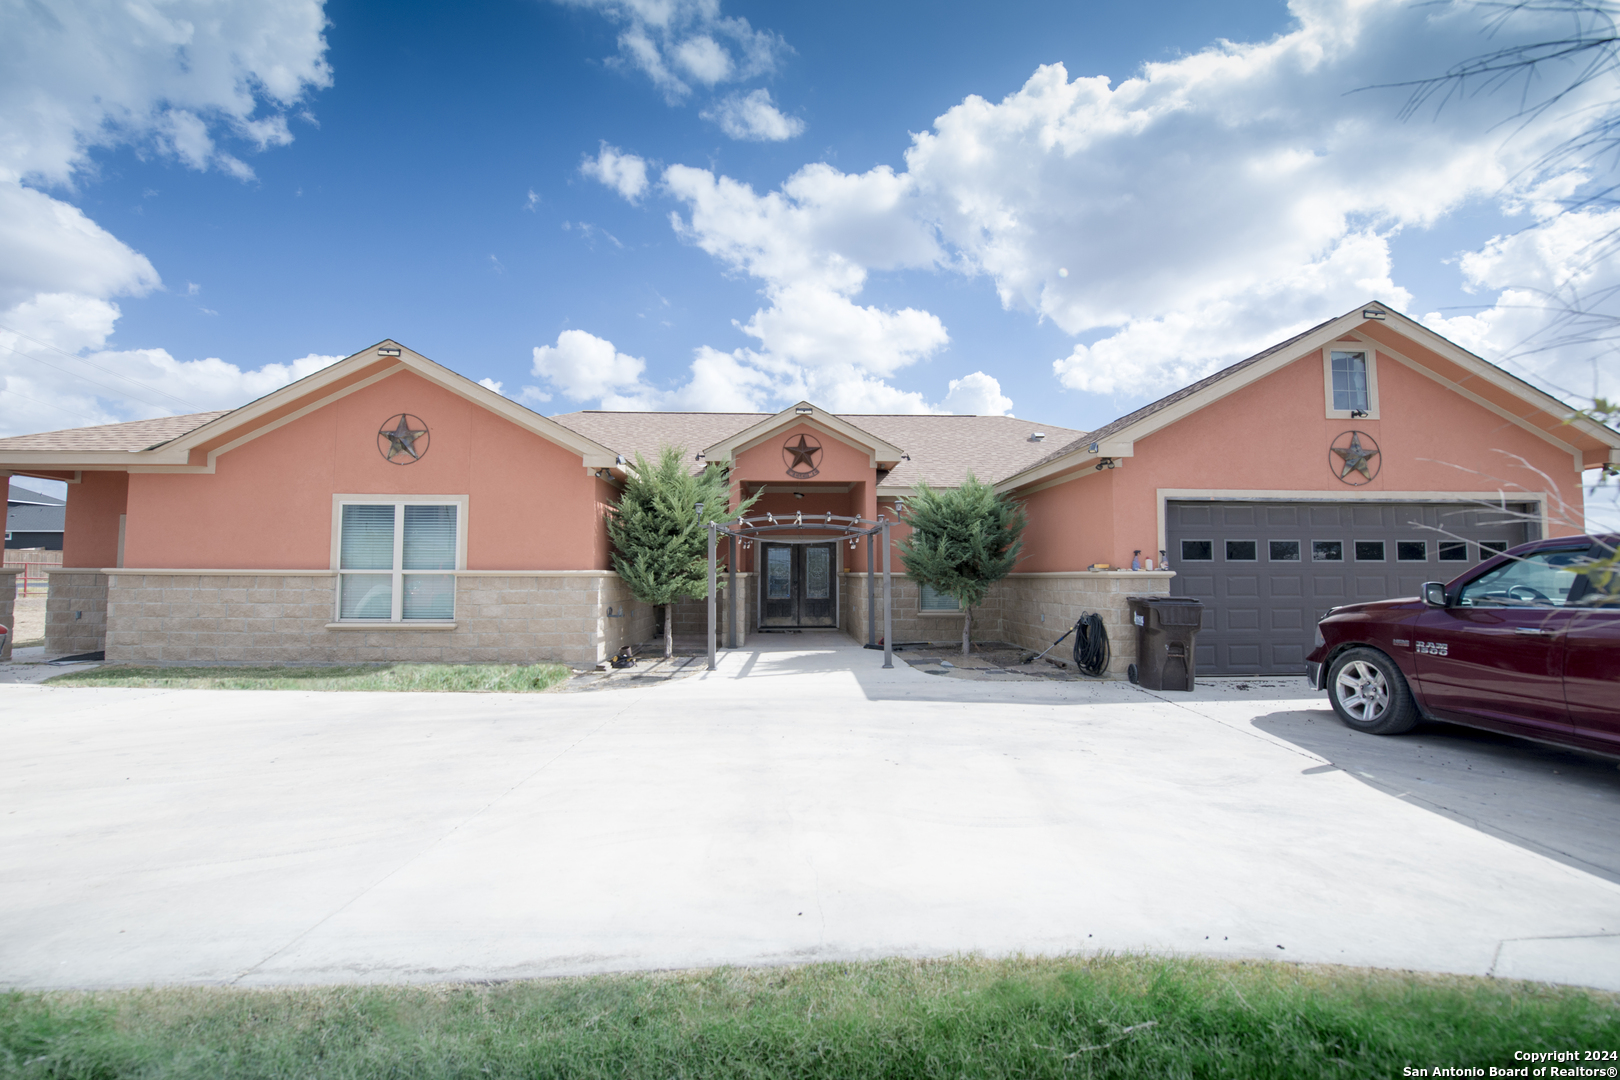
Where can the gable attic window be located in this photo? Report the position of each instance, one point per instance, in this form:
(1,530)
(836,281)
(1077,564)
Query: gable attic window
(1350,378)
(396,559)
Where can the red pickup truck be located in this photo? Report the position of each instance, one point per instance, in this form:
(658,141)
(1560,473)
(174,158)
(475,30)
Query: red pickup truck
(1526,643)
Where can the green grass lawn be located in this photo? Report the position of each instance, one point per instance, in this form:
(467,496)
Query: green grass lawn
(1104,1017)
(466,678)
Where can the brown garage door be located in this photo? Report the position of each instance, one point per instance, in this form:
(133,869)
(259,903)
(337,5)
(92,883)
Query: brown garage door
(1267,571)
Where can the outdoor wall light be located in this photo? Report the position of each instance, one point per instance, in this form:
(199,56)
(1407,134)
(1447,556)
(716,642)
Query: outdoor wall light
(1372,313)
(803,409)
(387,352)
(798,494)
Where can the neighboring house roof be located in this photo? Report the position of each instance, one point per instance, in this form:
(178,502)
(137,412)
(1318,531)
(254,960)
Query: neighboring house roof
(30,518)
(18,495)
(134,435)
(938,449)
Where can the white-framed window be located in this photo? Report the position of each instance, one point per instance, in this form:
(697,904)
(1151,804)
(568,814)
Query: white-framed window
(931,599)
(396,557)
(1350,380)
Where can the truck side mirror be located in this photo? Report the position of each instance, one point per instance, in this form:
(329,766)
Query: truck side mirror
(1434,593)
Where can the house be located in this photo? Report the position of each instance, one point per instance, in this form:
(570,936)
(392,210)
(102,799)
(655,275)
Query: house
(388,508)
(33,519)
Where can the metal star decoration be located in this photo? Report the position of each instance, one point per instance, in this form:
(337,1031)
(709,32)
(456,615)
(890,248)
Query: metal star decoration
(402,438)
(1355,457)
(804,455)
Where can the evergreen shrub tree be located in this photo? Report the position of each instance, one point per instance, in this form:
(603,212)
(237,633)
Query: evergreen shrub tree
(963,540)
(660,544)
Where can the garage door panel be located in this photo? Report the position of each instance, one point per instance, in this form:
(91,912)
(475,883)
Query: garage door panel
(1244,657)
(1201,586)
(1287,656)
(1331,585)
(1256,619)
(1372,588)
(1242,585)
(1287,618)
(1242,618)
(1287,585)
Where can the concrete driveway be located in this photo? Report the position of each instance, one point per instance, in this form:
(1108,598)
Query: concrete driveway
(799,804)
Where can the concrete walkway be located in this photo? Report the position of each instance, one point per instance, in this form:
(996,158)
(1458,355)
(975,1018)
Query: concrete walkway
(799,804)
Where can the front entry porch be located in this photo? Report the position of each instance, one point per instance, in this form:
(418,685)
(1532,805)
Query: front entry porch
(801,585)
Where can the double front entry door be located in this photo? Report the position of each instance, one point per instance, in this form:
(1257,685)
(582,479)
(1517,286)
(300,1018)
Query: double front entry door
(800,585)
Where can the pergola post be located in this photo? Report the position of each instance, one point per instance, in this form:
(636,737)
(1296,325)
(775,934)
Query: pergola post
(888,596)
(711,594)
(731,591)
(871,595)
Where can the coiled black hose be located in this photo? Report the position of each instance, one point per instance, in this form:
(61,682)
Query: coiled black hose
(1091,652)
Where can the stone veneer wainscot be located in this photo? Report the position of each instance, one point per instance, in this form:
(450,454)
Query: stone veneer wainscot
(257,617)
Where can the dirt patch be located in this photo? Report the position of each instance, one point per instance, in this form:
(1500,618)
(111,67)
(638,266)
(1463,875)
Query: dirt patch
(30,619)
(992,661)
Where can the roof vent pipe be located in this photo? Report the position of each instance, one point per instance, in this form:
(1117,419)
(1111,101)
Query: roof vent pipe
(1037,436)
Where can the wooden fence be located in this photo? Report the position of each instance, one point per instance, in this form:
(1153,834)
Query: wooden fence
(35,562)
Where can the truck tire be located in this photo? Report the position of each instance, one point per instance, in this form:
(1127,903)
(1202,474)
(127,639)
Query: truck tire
(1370,694)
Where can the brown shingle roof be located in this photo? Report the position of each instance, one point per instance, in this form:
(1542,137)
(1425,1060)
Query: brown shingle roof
(944,449)
(941,449)
(647,433)
(135,435)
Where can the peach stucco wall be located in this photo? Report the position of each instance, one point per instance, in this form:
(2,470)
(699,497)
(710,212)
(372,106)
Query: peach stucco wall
(531,504)
(1274,435)
(90,527)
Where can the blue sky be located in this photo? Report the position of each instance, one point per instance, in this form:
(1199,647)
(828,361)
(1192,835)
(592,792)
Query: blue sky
(696,204)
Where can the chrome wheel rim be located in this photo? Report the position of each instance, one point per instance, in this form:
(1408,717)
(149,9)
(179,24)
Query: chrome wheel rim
(1362,691)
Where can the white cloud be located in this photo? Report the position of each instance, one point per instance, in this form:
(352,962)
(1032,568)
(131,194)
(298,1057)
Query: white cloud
(977,394)
(170,76)
(1543,278)
(55,372)
(585,367)
(753,117)
(1217,202)
(676,43)
(624,173)
(176,79)
(490,384)
(1175,222)
(49,246)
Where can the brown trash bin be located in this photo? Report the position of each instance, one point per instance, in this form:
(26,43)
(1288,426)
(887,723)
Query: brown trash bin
(1166,628)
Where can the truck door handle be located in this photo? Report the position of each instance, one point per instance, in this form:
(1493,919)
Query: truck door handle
(1531,631)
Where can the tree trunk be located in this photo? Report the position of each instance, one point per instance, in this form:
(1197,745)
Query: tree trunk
(669,631)
(967,623)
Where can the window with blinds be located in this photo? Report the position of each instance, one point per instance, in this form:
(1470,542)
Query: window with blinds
(393,560)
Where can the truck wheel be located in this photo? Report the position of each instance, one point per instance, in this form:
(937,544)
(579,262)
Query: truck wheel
(1370,694)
